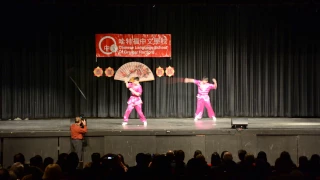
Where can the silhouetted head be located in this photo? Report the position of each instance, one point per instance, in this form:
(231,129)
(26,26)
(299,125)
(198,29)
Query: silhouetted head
(303,162)
(215,159)
(227,156)
(179,156)
(241,154)
(19,158)
(196,153)
(95,157)
(170,155)
(222,154)
(262,156)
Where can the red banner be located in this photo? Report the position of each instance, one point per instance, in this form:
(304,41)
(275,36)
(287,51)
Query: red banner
(133,45)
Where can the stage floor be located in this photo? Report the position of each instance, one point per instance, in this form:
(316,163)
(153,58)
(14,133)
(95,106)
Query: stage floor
(174,126)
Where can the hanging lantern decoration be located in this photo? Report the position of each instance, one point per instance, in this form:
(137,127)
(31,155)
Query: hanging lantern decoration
(159,71)
(109,72)
(169,71)
(98,71)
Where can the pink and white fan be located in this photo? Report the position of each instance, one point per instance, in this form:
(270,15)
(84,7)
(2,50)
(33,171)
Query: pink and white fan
(134,69)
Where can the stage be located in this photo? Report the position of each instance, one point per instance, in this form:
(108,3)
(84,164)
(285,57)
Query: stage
(49,137)
(60,127)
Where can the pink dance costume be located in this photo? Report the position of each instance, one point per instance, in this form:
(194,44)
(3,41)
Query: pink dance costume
(203,99)
(134,102)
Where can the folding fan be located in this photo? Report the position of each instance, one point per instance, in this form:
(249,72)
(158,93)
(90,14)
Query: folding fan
(134,69)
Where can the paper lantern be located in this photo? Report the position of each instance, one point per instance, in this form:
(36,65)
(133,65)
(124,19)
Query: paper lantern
(109,72)
(159,71)
(169,71)
(98,71)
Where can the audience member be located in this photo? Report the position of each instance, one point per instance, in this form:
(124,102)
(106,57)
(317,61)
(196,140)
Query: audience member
(164,166)
(47,161)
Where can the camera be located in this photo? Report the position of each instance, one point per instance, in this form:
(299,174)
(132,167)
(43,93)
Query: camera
(82,119)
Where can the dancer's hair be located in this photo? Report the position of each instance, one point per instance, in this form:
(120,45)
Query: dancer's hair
(136,78)
(204,78)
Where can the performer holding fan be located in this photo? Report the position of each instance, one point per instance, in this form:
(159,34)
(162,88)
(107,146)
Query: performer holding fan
(134,101)
(203,99)
(137,72)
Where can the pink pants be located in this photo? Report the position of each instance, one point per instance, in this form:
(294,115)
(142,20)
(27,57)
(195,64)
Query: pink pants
(138,109)
(201,103)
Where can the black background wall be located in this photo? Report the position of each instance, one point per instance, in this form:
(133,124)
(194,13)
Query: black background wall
(265,58)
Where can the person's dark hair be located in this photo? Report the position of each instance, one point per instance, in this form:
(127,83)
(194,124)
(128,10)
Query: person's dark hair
(47,161)
(161,166)
(315,160)
(303,162)
(62,158)
(95,157)
(179,156)
(19,158)
(227,156)
(215,159)
(286,156)
(205,78)
(249,158)
(222,154)
(241,154)
(284,163)
(36,161)
(72,161)
(62,161)
(170,155)
(200,158)
(262,156)
(136,78)
(141,158)
(196,153)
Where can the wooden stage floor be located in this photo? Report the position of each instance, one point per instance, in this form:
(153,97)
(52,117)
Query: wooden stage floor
(174,126)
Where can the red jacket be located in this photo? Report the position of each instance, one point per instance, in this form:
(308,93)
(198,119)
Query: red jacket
(77,132)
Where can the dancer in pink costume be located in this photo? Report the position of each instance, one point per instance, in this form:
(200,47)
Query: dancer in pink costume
(203,99)
(134,101)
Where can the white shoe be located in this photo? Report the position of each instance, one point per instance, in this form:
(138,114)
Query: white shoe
(214,119)
(124,123)
(195,119)
(145,123)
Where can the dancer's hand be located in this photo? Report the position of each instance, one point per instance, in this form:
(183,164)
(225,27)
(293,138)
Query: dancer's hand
(126,80)
(215,82)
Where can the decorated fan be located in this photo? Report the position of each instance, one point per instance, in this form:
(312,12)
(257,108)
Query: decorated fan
(134,69)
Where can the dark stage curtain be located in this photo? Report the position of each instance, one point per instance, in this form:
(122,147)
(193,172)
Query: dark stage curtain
(264,57)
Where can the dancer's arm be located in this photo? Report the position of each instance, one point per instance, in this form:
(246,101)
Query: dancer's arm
(134,92)
(188,80)
(215,82)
